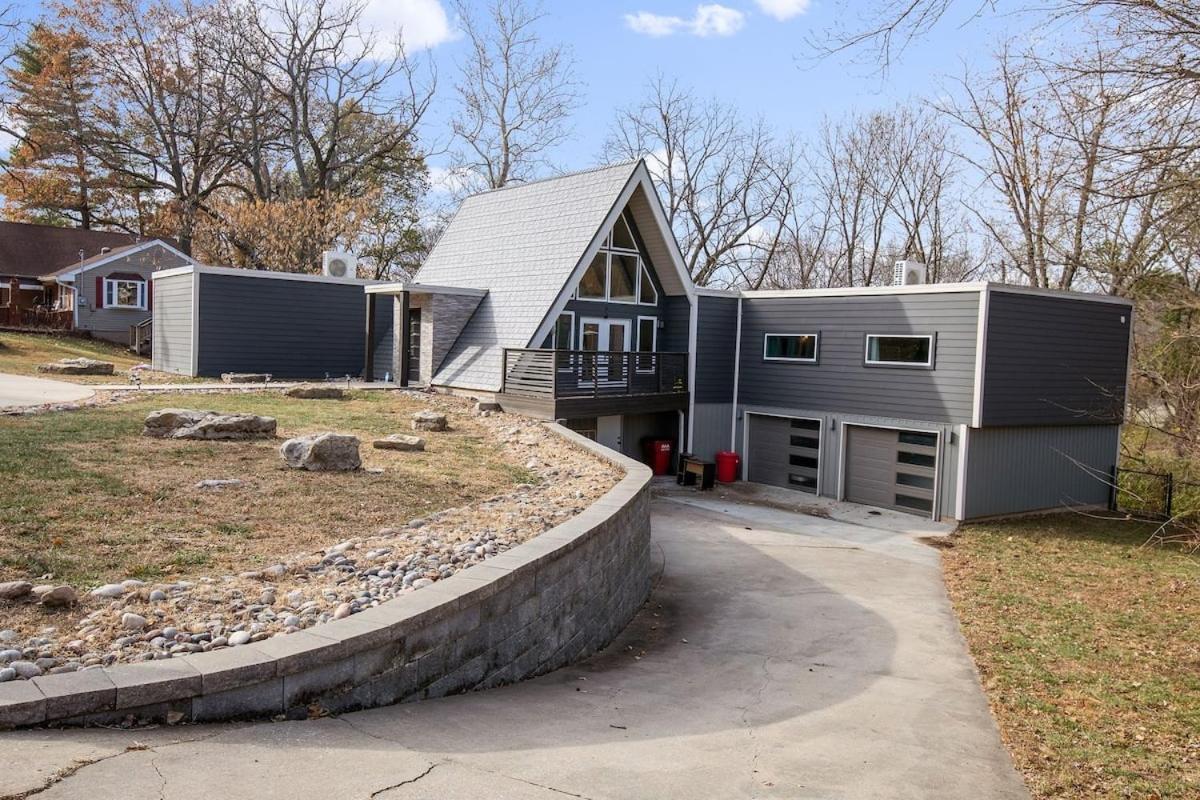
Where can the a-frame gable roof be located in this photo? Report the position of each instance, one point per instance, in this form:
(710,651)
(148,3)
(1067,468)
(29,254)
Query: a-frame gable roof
(523,244)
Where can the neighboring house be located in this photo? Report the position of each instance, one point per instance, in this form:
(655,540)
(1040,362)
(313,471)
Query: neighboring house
(73,279)
(568,299)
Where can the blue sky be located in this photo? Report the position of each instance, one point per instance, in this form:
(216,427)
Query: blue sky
(749,52)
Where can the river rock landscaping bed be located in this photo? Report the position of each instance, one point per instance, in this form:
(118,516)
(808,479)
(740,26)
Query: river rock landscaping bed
(128,620)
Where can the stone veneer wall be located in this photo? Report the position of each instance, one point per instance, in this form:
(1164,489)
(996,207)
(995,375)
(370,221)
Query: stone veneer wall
(551,601)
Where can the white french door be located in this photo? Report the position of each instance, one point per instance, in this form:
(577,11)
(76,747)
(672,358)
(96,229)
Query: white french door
(605,336)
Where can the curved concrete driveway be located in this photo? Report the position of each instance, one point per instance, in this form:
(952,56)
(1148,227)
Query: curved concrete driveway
(19,391)
(781,655)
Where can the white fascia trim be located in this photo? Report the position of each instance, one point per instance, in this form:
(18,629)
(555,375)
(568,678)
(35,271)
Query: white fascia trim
(423,288)
(737,371)
(980,358)
(924,288)
(598,239)
(641,176)
(195,325)
(1062,294)
(137,248)
(204,269)
(710,292)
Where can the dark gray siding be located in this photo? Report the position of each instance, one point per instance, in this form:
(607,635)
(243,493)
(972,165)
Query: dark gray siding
(383,345)
(1054,361)
(601,310)
(289,328)
(712,429)
(840,382)
(677,311)
(716,341)
(1014,470)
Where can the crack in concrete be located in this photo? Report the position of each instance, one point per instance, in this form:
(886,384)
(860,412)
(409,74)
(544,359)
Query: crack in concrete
(755,755)
(162,785)
(81,764)
(434,765)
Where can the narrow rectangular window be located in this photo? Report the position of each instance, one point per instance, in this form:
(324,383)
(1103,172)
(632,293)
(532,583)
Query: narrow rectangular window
(647,342)
(899,350)
(647,294)
(790,347)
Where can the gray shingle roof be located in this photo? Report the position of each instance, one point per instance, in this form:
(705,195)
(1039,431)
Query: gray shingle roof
(521,243)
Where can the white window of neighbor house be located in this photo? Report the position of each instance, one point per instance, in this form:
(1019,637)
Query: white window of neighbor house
(899,350)
(124,293)
(800,347)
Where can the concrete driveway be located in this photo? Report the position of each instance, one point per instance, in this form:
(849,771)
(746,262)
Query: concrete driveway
(782,655)
(18,391)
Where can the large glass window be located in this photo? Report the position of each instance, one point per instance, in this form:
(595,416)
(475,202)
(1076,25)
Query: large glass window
(593,283)
(647,294)
(790,347)
(622,239)
(121,293)
(622,278)
(900,350)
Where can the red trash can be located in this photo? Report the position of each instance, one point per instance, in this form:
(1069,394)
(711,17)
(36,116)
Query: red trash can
(660,456)
(727,466)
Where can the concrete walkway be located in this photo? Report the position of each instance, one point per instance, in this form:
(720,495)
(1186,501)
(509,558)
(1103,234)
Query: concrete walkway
(782,655)
(19,391)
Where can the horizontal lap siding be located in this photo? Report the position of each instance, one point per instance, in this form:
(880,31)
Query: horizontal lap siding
(1018,469)
(1054,361)
(171,347)
(716,355)
(840,382)
(383,346)
(289,328)
(676,311)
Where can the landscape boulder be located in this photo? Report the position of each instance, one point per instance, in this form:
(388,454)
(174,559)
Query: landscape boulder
(246,377)
(180,423)
(400,441)
(428,421)
(78,366)
(15,590)
(60,597)
(487,407)
(309,391)
(322,452)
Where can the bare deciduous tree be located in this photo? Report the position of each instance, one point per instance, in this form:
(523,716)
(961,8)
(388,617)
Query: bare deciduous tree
(723,180)
(515,95)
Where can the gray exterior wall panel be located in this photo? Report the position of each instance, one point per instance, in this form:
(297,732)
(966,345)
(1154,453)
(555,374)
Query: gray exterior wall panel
(171,348)
(711,429)
(289,328)
(840,382)
(382,347)
(112,324)
(1015,470)
(1054,361)
(677,311)
(716,348)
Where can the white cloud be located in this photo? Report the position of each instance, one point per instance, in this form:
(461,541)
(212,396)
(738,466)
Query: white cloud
(423,23)
(783,9)
(655,25)
(717,20)
(710,19)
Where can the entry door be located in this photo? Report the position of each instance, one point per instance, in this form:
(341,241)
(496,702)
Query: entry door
(605,336)
(414,345)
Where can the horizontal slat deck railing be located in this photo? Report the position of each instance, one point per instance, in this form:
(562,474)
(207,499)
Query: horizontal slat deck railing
(568,374)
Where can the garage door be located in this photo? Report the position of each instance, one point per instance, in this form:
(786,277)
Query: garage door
(784,451)
(891,468)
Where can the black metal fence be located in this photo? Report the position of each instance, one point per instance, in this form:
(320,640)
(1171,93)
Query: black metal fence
(1153,495)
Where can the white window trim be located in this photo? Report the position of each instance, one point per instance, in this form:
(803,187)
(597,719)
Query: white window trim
(110,290)
(637,345)
(643,267)
(873,363)
(816,349)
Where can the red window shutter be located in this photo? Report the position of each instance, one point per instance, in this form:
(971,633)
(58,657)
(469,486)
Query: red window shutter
(99,291)
(149,295)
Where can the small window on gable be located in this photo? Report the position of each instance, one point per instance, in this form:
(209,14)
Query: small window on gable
(622,277)
(646,291)
(622,238)
(592,284)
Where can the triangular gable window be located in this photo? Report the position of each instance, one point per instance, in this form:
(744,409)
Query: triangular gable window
(622,239)
(647,294)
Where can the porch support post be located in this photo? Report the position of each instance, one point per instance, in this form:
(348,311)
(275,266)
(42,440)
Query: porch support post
(369,355)
(401,354)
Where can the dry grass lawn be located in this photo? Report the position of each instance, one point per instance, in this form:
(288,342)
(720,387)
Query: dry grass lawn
(21,353)
(84,497)
(1089,651)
